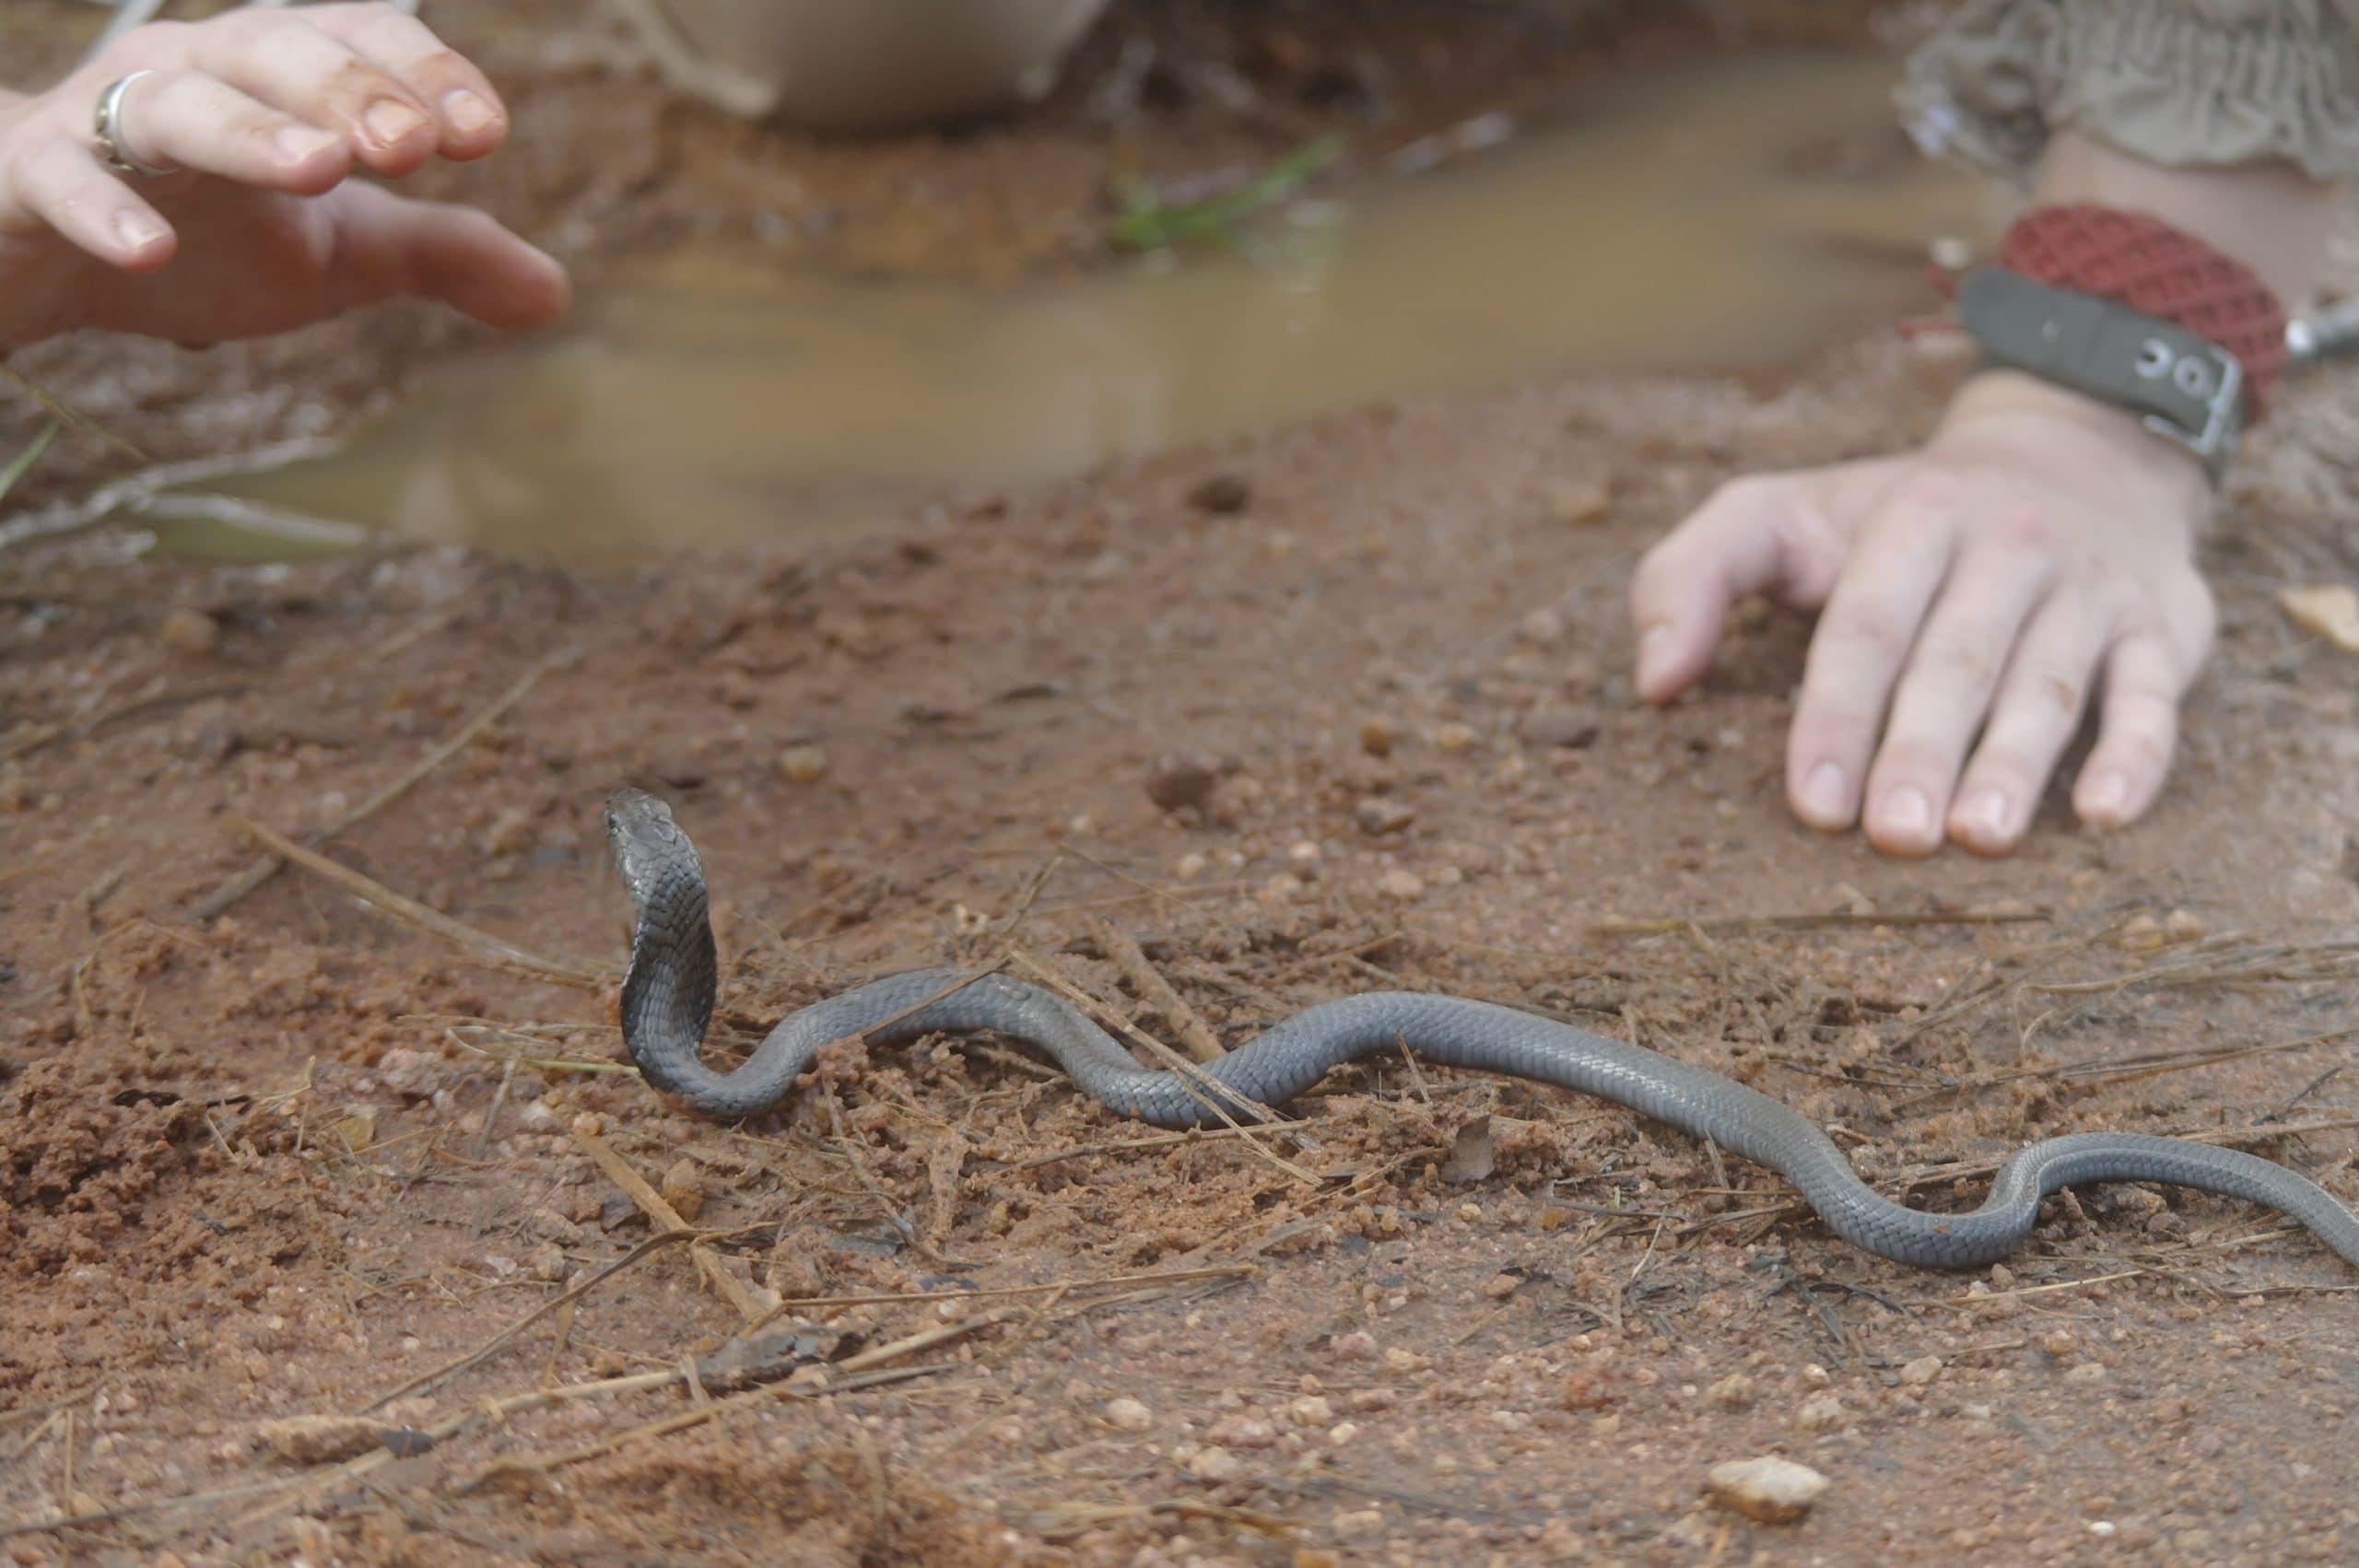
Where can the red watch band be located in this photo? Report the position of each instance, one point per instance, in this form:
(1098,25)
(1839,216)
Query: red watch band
(2145,264)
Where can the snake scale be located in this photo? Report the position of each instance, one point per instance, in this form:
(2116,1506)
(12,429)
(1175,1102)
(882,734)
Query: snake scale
(669,991)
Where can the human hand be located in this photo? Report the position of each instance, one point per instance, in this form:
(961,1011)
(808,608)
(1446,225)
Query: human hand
(2038,543)
(261,114)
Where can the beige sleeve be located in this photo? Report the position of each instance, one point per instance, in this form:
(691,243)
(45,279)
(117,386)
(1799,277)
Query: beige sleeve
(2170,81)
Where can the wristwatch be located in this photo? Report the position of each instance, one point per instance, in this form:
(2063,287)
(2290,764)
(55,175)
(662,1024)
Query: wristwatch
(2182,386)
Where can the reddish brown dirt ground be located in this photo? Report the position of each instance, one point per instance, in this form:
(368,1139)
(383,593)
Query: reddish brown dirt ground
(276,1164)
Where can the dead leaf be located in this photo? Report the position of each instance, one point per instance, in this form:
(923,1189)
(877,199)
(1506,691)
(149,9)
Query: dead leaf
(2331,611)
(1471,1157)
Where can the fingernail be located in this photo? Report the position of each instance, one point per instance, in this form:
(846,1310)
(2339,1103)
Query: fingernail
(138,230)
(392,122)
(1983,815)
(2108,796)
(297,142)
(1823,795)
(1906,811)
(1654,647)
(467,113)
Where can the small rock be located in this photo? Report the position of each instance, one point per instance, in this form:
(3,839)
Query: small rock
(319,1440)
(1182,780)
(801,764)
(1399,1360)
(1571,727)
(1379,736)
(192,632)
(1821,1412)
(1315,1557)
(2086,1373)
(1243,1431)
(1542,627)
(1773,1491)
(1921,1370)
(1223,495)
(1311,1411)
(1378,816)
(2183,925)
(1735,1392)
(683,1189)
(1401,884)
(1355,1346)
(1190,866)
(1454,736)
(1128,1415)
(1213,1465)
(2330,611)
(1581,500)
(1342,1433)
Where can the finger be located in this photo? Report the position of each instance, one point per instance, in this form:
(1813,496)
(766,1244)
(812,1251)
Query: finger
(189,119)
(388,245)
(473,119)
(2137,731)
(1945,690)
(1869,625)
(2034,718)
(1755,535)
(283,59)
(62,183)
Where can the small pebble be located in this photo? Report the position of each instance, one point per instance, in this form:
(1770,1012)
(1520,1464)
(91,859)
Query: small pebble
(1213,1465)
(1454,737)
(1921,1370)
(1128,1415)
(801,764)
(1501,1286)
(1773,1491)
(1378,815)
(1182,779)
(189,631)
(1735,1392)
(1581,500)
(1569,727)
(1821,1412)
(1379,736)
(1402,885)
(1223,495)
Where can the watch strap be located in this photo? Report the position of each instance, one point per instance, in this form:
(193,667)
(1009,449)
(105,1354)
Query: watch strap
(2181,385)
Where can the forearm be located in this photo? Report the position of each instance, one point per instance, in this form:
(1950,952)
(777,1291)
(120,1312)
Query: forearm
(2271,217)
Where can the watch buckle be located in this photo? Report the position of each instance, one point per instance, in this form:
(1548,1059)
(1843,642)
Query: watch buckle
(2218,432)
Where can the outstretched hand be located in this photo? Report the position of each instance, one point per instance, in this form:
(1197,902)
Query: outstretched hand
(262,115)
(1973,596)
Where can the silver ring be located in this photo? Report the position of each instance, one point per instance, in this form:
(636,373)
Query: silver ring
(107,127)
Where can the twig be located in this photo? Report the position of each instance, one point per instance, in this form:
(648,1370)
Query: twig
(1213,1096)
(410,911)
(1162,1276)
(537,1463)
(1156,990)
(724,1284)
(1671,925)
(1124,1146)
(262,869)
(452,1368)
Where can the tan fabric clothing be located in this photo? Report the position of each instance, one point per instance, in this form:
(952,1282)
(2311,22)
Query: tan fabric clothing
(2171,81)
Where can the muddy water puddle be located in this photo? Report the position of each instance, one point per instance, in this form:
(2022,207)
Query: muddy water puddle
(1728,216)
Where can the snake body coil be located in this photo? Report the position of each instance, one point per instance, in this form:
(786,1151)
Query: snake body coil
(669,991)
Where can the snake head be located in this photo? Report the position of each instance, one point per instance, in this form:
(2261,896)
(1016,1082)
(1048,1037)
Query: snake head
(643,836)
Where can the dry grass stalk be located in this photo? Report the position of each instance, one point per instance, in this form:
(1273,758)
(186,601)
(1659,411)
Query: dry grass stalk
(262,869)
(1201,1086)
(1156,990)
(726,1285)
(409,911)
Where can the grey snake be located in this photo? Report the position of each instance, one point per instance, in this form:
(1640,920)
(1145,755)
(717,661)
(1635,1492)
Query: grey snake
(671,984)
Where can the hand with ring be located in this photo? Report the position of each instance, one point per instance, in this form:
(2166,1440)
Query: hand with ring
(189,182)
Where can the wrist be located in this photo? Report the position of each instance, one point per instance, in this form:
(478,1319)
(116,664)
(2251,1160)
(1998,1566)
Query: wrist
(2077,443)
